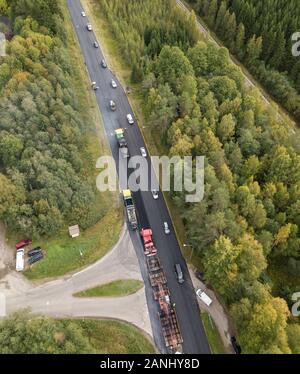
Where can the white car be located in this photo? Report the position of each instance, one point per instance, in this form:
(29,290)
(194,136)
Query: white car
(94,86)
(166,228)
(143,152)
(113,84)
(89,27)
(130,119)
(83,14)
(204,297)
(155,194)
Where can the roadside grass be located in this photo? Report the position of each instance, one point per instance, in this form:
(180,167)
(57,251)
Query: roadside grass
(115,337)
(213,336)
(152,138)
(64,254)
(117,288)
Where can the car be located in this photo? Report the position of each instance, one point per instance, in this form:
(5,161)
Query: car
(155,194)
(94,86)
(35,258)
(83,14)
(166,228)
(130,119)
(200,275)
(112,105)
(34,251)
(235,345)
(96,45)
(89,27)
(143,152)
(113,84)
(179,273)
(103,64)
(204,297)
(23,243)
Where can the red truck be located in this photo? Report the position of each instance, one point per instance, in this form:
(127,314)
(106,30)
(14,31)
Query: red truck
(149,247)
(23,243)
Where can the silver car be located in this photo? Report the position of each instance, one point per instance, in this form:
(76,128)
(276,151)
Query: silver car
(155,194)
(166,228)
(113,84)
(143,152)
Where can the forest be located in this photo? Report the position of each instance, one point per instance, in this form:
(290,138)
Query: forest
(250,216)
(42,180)
(259,33)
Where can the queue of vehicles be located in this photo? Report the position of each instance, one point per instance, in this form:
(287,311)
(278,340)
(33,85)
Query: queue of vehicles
(158,281)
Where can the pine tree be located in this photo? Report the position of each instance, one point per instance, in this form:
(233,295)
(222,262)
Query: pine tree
(212,12)
(240,41)
(219,24)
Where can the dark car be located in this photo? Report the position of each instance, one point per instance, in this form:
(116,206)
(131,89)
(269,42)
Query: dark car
(23,243)
(35,258)
(179,273)
(103,64)
(200,275)
(235,345)
(34,251)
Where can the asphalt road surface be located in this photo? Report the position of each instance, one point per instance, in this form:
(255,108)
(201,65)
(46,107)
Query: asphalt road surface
(152,213)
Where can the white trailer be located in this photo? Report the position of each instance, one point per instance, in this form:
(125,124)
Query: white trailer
(204,297)
(20,259)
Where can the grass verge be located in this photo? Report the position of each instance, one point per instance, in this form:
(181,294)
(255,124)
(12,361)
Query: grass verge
(117,288)
(115,337)
(213,336)
(64,254)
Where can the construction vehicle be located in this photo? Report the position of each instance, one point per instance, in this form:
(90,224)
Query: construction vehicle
(161,293)
(122,142)
(130,209)
(149,247)
(169,323)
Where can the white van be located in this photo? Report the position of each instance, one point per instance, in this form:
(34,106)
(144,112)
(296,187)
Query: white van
(20,259)
(204,297)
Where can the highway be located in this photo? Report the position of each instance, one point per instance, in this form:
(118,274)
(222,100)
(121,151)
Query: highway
(151,213)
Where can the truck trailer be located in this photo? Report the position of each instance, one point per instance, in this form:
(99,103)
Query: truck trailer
(130,209)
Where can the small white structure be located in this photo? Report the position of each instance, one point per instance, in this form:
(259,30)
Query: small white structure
(74,231)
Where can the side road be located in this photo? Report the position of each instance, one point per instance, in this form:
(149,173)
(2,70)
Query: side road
(55,298)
